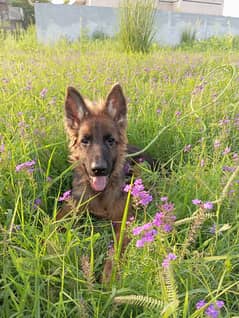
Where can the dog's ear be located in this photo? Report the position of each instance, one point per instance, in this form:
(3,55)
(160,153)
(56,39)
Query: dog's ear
(75,108)
(115,105)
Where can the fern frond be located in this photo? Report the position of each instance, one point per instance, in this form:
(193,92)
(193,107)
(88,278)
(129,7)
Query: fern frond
(139,300)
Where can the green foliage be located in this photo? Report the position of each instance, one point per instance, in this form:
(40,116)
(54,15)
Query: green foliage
(223,43)
(190,96)
(188,36)
(137,25)
(99,35)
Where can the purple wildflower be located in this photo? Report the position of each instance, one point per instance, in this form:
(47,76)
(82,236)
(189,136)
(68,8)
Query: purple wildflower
(2,147)
(202,163)
(130,220)
(163,221)
(145,198)
(187,148)
(137,190)
(43,92)
(137,230)
(196,201)
(200,304)
(167,228)
(228,169)
(170,257)
(127,188)
(226,151)
(158,219)
(167,207)
(178,113)
(235,157)
(224,122)
(164,218)
(140,243)
(146,238)
(217,143)
(163,199)
(66,195)
(213,229)
(159,111)
(26,165)
(211,311)
(37,202)
(219,304)
(208,205)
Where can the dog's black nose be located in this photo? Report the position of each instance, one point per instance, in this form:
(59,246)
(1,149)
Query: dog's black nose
(99,168)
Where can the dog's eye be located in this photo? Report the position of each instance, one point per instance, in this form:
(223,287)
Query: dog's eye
(110,140)
(85,140)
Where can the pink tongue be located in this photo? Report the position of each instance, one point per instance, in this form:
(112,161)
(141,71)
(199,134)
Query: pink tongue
(99,183)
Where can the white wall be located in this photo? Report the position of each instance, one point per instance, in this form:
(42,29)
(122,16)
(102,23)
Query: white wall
(56,21)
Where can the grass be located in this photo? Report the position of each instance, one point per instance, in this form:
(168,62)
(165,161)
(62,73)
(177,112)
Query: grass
(194,96)
(137,25)
(188,36)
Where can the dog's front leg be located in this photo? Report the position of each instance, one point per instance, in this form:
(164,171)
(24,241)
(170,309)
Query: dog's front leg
(65,210)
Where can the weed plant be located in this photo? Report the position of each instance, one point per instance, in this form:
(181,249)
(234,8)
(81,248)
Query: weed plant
(188,36)
(137,25)
(183,257)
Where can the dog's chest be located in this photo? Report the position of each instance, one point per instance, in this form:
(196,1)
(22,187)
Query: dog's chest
(109,206)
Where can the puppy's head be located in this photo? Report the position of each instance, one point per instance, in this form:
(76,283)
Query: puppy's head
(97,133)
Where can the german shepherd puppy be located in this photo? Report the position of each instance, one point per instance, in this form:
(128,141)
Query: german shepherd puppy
(98,146)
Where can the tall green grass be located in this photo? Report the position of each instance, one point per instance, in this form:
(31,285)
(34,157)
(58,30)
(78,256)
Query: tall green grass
(137,25)
(192,97)
(188,36)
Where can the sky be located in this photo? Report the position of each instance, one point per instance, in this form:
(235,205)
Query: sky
(231,7)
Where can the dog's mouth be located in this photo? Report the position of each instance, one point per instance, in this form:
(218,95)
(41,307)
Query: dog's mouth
(98,183)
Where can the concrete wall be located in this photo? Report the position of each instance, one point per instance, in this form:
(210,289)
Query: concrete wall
(56,21)
(211,7)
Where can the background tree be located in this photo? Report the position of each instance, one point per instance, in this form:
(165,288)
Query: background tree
(28,9)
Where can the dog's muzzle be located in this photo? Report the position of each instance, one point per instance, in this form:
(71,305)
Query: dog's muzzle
(99,175)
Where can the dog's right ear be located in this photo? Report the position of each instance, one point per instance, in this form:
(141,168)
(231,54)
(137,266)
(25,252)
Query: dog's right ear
(75,108)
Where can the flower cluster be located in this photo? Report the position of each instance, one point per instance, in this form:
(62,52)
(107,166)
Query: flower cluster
(213,310)
(26,166)
(163,221)
(207,205)
(137,190)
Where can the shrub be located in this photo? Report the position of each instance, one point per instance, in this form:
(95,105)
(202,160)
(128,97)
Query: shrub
(137,25)
(99,35)
(188,36)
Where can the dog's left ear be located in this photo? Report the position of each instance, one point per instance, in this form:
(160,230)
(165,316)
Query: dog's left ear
(115,105)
